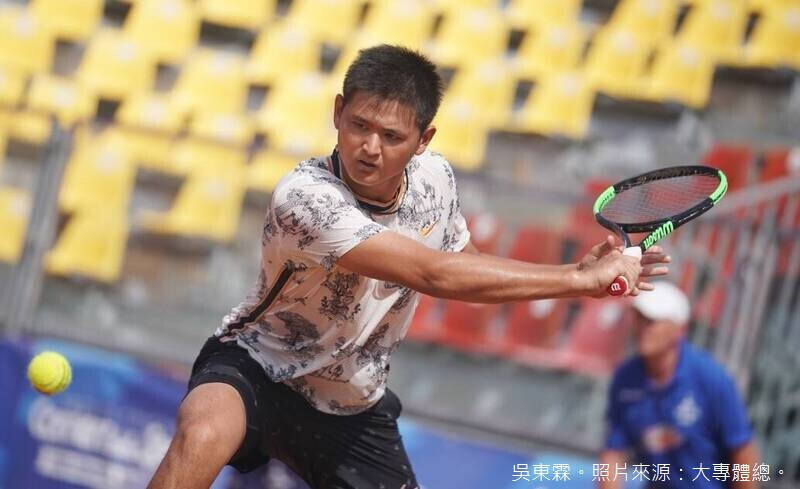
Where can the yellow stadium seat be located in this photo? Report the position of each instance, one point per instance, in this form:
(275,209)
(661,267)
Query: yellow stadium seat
(462,133)
(762,6)
(25,44)
(207,206)
(3,143)
(488,85)
(73,20)
(148,110)
(236,129)
(682,74)
(92,245)
(193,155)
(31,127)
(646,19)
(98,174)
(406,22)
(211,81)
(552,48)
(12,86)
(559,105)
(282,50)
(267,168)
(469,35)
(297,115)
(775,41)
(717,28)
(244,14)
(115,66)
(447,7)
(331,21)
(15,205)
(145,148)
(617,62)
(63,97)
(535,14)
(150,19)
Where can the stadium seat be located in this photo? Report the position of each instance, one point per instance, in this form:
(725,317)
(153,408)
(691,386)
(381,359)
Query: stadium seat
(681,73)
(780,163)
(297,115)
(26,46)
(717,28)
(146,123)
(148,20)
(64,97)
(488,85)
(267,168)
(652,20)
(617,62)
(552,48)
(331,21)
(425,326)
(31,127)
(15,207)
(92,245)
(192,155)
(598,337)
(72,20)
(211,72)
(560,104)
(468,36)
(735,160)
(775,41)
(283,50)
(115,66)
(534,325)
(467,326)
(235,129)
(486,231)
(406,22)
(242,14)
(98,175)
(462,133)
(207,206)
(12,87)
(535,15)
(536,244)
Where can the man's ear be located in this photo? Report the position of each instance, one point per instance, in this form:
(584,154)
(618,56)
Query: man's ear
(338,106)
(425,139)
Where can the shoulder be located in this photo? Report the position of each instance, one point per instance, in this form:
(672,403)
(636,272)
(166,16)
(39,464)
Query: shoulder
(434,164)
(311,176)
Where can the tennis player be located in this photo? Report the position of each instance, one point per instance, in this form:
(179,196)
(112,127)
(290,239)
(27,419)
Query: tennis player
(297,372)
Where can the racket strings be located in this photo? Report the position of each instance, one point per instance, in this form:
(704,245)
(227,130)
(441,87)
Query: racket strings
(659,199)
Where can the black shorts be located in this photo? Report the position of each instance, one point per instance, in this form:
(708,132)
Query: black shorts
(362,451)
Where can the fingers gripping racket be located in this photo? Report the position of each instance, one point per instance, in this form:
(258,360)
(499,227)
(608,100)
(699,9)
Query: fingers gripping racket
(657,202)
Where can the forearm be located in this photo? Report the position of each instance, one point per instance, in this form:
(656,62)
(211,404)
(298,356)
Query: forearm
(745,455)
(490,279)
(613,459)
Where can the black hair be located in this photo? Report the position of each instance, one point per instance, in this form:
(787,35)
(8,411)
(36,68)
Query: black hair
(398,74)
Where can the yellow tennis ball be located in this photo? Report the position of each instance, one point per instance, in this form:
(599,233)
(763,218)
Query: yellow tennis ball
(49,372)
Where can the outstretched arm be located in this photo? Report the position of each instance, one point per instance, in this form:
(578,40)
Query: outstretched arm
(483,278)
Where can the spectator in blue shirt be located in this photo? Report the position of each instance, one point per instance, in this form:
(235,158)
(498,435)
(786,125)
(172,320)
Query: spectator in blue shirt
(675,419)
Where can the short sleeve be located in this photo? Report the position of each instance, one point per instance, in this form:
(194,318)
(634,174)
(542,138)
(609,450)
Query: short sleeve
(730,410)
(616,435)
(320,220)
(456,235)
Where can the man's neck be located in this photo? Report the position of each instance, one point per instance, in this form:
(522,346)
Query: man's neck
(661,368)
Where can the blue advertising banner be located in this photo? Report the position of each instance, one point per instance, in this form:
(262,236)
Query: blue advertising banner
(111,428)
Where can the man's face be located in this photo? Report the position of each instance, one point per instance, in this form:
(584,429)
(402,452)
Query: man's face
(376,140)
(655,338)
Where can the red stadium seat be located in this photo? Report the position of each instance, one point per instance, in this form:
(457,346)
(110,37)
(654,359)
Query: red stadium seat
(467,326)
(599,336)
(536,245)
(733,159)
(486,230)
(779,163)
(534,324)
(425,324)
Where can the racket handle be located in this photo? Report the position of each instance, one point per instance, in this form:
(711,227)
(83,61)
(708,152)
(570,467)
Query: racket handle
(620,285)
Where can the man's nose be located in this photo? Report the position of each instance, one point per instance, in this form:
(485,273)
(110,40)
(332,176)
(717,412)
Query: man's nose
(372,144)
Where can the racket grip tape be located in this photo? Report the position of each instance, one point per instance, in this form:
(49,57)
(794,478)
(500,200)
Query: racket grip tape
(619,286)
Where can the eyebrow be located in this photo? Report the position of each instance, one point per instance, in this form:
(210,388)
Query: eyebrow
(395,131)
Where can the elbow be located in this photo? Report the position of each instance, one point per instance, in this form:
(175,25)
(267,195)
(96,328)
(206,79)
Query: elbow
(438,278)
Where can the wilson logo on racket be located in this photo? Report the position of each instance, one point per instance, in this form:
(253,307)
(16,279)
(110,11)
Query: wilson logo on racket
(658,234)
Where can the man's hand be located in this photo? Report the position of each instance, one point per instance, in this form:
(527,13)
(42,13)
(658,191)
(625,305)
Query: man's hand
(597,266)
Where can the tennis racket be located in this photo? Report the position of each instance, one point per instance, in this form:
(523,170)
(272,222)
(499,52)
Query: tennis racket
(657,202)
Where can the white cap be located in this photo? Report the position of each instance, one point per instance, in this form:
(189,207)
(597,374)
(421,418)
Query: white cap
(665,302)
